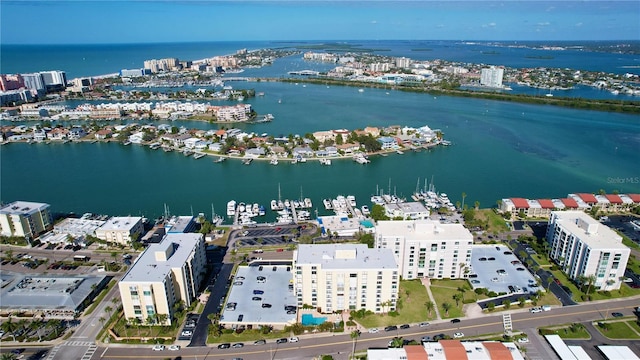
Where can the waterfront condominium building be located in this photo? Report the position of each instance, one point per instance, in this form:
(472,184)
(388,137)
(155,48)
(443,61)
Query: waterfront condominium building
(163,275)
(120,230)
(584,247)
(492,77)
(25,219)
(427,248)
(334,277)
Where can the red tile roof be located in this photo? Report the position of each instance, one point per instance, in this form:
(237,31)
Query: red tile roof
(416,352)
(497,351)
(588,198)
(520,203)
(634,197)
(570,203)
(614,199)
(453,349)
(546,203)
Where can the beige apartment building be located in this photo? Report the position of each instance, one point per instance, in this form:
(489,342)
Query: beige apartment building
(584,247)
(427,248)
(25,219)
(163,275)
(333,277)
(120,230)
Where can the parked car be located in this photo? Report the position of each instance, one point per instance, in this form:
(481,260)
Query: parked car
(294,339)
(391,328)
(237,345)
(405,326)
(523,340)
(373,331)
(458,335)
(281,341)
(617,314)
(224,346)
(454,321)
(158,347)
(535,310)
(186,333)
(174,347)
(266,306)
(259,342)
(258,292)
(424,324)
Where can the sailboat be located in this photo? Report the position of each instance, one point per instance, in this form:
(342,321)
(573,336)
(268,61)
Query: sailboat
(215,219)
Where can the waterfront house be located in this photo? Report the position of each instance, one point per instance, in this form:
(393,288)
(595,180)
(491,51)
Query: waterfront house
(278,151)
(221,134)
(58,134)
(102,134)
(387,143)
(77,133)
(406,211)
(373,131)
(322,136)
(137,138)
(348,149)
(254,152)
(164,127)
(215,147)
(120,230)
(302,151)
(191,142)
(39,135)
(176,140)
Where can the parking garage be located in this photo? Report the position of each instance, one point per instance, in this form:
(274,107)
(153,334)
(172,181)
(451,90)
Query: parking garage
(260,295)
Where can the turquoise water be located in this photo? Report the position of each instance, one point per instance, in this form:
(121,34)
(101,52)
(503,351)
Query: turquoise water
(499,150)
(367,223)
(308,319)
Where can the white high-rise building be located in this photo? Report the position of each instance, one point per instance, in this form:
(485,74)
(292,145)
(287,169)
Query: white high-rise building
(163,275)
(25,219)
(427,248)
(585,247)
(336,277)
(492,77)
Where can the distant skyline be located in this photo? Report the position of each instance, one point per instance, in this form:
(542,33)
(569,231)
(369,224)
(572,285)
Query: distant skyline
(103,22)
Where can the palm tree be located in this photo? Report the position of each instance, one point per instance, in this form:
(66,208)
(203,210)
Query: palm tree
(355,334)
(446,307)
(9,327)
(22,324)
(108,310)
(397,342)
(591,279)
(430,306)
(457,297)
(8,356)
(102,320)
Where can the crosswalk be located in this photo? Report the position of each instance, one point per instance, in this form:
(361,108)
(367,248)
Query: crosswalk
(92,347)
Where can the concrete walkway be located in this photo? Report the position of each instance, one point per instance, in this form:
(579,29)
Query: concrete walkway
(427,284)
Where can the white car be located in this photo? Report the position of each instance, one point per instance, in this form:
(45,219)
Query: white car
(458,335)
(294,339)
(187,333)
(535,310)
(174,347)
(158,347)
(424,324)
(373,331)
(523,340)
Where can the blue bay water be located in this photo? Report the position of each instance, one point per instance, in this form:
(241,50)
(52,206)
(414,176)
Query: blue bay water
(500,149)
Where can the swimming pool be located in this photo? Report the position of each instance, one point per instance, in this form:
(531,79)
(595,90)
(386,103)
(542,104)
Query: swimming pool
(308,319)
(367,223)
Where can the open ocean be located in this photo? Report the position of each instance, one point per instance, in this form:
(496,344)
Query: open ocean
(500,149)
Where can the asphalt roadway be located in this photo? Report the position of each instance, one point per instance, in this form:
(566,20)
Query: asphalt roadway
(339,346)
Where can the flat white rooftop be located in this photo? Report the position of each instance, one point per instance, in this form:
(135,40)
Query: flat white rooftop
(589,230)
(344,256)
(156,262)
(120,223)
(618,352)
(22,207)
(427,229)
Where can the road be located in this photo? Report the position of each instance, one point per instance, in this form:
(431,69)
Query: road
(339,346)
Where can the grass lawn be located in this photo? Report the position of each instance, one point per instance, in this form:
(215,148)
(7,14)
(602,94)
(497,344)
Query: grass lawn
(541,260)
(633,264)
(624,291)
(496,222)
(411,309)
(443,291)
(618,330)
(566,333)
(634,325)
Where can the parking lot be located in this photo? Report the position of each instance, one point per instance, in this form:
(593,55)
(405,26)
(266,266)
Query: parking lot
(259,295)
(272,234)
(496,268)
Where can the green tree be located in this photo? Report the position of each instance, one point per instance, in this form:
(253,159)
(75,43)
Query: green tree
(457,297)
(108,310)
(506,303)
(446,307)
(396,342)
(491,306)
(591,279)
(9,327)
(355,334)
(429,305)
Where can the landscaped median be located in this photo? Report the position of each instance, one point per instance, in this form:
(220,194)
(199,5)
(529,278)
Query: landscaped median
(623,329)
(575,331)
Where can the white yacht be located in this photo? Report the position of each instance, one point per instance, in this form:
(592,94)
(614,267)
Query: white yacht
(365,210)
(231,208)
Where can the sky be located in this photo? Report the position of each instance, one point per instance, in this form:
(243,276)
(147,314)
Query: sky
(144,21)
